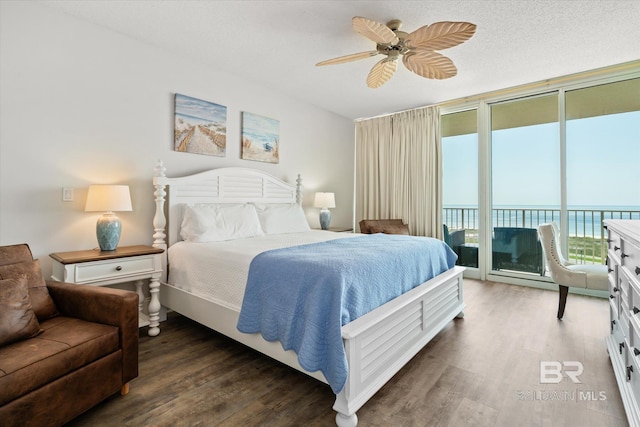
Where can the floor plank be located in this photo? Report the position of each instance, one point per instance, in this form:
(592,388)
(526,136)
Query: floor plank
(482,370)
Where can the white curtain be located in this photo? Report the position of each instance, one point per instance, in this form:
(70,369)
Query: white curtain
(399,170)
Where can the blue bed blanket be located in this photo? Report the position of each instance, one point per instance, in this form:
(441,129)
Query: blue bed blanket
(303,295)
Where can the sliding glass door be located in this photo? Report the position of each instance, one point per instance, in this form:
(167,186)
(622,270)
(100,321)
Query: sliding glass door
(460,184)
(525,180)
(570,155)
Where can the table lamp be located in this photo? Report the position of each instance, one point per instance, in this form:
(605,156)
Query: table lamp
(108,198)
(324,201)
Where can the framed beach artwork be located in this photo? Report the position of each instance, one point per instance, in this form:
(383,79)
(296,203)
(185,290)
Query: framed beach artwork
(260,138)
(200,126)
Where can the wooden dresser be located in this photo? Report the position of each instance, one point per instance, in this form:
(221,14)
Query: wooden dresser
(623,343)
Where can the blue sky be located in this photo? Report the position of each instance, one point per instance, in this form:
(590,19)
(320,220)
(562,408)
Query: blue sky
(603,164)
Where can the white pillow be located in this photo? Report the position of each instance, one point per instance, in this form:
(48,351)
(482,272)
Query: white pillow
(215,223)
(279,219)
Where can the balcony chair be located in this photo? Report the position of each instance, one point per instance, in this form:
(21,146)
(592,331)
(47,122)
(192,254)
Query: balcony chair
(517,248)
(454,239)
(467,252)
(565,273)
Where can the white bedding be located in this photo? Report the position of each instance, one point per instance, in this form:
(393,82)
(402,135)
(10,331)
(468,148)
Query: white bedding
(218,271)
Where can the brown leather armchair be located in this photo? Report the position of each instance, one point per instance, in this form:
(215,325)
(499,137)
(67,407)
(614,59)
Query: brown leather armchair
(63,347)
(387,226)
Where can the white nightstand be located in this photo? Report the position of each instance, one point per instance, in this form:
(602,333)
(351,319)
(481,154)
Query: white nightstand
(125,264)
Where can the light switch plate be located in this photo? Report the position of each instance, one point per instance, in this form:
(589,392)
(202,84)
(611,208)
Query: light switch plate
(67,194)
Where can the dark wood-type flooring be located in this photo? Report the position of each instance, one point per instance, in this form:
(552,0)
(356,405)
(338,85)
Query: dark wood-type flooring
(483,370)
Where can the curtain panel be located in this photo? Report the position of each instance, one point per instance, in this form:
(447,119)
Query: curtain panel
(399,170)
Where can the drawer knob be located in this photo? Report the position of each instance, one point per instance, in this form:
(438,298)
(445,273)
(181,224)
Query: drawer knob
(612,296)
(620,347)
(635,310)
(609,269)
(616,248)
(636,351)
(623,255)
(637,271)
(118,268)
(615,289)
(629,370)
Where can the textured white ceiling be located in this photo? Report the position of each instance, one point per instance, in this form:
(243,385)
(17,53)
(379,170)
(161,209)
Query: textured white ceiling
(278,43)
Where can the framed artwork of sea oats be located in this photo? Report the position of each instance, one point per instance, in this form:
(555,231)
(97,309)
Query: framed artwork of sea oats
(260,138)
(200,127)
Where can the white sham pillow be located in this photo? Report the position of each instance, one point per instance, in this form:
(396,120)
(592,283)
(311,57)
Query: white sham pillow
(215,223)
(280,219)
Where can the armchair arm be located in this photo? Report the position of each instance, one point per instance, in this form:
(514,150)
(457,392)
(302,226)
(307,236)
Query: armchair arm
(115,307)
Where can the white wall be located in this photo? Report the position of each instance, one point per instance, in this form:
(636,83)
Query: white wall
(80,104)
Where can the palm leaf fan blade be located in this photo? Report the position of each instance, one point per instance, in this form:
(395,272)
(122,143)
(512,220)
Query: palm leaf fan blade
(431,65)
(348,58)
(382,72)
(440,35)
(374,30)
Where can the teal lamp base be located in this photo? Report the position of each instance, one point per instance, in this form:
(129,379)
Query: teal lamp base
(108,231)
(325,219)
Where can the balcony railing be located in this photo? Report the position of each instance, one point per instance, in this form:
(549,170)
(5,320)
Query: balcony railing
(587,237)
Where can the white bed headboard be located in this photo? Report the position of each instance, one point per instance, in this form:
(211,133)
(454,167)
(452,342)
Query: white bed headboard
(223,185)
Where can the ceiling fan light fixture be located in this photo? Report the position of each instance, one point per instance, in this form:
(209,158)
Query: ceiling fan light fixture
(416,48)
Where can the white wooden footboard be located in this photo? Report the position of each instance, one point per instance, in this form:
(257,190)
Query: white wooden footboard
(381,342)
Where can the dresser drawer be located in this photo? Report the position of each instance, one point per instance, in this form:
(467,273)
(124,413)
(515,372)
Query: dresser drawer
(634,292)
(624,322)
(630,259)
(618,336)
(612,267)
(614,241)
(112,269)
(635,340)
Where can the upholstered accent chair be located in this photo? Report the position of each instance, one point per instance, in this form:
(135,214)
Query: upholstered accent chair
(63,347)
(387,226)
(564,272)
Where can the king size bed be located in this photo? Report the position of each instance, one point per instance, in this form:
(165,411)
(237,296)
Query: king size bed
(240,259)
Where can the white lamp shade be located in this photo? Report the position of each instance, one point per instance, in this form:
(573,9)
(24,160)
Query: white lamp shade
(108,198)
(324,200)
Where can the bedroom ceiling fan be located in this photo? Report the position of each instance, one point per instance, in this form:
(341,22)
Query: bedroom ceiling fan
(416,48)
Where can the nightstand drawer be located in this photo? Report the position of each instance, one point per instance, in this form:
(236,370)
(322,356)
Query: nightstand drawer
(92,272)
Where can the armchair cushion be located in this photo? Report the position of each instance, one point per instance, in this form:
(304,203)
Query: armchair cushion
(17,319)
(41,301)
(30,364)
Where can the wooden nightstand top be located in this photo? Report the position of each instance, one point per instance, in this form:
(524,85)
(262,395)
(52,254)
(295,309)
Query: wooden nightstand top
(75,257)
(338,229)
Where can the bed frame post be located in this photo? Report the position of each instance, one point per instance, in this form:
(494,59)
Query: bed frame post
(299,190)
(159,220)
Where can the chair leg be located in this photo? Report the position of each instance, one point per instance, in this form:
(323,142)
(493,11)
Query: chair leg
(564,290)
